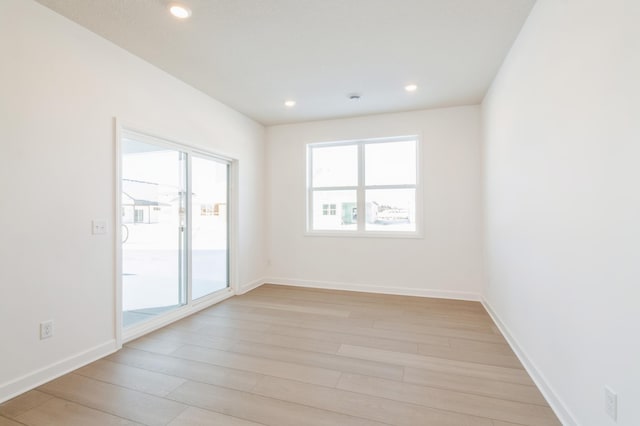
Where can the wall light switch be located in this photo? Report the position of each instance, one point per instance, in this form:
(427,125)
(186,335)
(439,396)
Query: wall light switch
(98,227)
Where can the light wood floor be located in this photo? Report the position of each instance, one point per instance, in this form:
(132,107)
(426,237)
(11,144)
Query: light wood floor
(292,356)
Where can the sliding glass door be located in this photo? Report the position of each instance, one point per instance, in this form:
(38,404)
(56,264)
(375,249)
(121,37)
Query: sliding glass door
(209,243)
(174,225)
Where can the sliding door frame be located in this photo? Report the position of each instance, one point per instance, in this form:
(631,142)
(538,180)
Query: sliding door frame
(218,159)
(122,335)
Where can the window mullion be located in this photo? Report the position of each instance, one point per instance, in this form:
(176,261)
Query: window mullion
(360,192)
(188,235)
(335,188)
(408,186)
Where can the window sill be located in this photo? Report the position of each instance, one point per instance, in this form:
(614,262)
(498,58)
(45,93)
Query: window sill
(370,234)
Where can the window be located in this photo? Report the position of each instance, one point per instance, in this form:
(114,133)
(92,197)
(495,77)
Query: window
(206,210)
(377,177)
(139,216)
(328,210)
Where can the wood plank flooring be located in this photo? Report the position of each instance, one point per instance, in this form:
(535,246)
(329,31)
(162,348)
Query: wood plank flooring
(291,356)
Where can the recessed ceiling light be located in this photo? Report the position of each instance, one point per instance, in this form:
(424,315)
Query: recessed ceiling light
(289,104)
(180,11)
(411,87)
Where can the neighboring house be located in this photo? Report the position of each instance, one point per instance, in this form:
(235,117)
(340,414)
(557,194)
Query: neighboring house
(346,213)
(141,202)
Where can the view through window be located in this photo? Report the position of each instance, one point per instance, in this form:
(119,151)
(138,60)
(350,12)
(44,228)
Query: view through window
(377,177)
(174,226)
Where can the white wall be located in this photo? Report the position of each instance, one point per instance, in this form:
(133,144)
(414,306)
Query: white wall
(562,174)
(60,87)
(446,262)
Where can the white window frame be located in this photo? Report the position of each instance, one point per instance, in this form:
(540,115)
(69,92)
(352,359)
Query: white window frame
(124,335)
(361,189)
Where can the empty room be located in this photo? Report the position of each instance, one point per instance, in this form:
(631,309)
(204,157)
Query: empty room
(304,212)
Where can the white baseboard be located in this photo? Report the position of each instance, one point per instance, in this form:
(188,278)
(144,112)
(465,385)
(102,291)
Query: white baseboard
(250,286)
(32,380)
(399,291)
(557,405)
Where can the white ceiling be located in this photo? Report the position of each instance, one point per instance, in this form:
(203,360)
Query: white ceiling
(254,54)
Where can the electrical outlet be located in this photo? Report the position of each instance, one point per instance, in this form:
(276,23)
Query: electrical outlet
(46,329)
(610,403)
(98,227)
